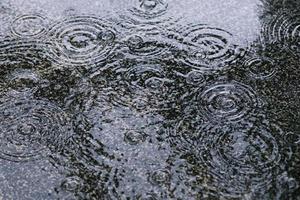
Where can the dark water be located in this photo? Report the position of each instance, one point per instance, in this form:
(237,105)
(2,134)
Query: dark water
(150,99)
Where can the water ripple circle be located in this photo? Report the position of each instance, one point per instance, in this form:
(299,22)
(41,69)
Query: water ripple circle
(239,158)
(149,9)
(29,26)
(260,67)
(240,155)
(145,43)
(141,84)
(29,129)
(21,62)
(227,101)
(19,50)
(208,48)
(160,177)
(82,40)
(22,80)
(284,27)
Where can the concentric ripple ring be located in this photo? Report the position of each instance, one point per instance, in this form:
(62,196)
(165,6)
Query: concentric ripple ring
(29,26)
(82,40)
(31,128)
(149,9)
(208,48)
(227,101)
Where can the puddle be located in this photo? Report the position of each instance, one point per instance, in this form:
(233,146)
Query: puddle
(149,99)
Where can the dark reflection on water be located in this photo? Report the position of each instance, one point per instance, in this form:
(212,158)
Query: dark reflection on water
(145,104)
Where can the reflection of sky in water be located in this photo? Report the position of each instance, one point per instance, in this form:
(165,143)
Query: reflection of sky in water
(238,17)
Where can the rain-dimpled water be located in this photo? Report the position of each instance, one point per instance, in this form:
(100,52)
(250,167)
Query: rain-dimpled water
(150,99)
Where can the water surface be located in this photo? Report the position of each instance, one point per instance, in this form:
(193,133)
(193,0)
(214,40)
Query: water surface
(149,99)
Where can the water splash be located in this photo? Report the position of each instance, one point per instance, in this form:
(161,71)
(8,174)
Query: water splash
(144,67)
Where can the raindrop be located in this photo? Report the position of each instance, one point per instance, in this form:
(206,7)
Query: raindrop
(139,74)
(292,138)
(107,36)
(22,62)
(23,79)
(148,13)
(139,103)
(135,42)
(154,83)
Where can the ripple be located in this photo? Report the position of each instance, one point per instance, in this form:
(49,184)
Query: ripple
(30,128)
(23,80)
(27,49)
(142,84)
(292,138)
(208,48)
(284,27)
(29,26)
(260,68)
(134,137)
(195,77)
(144,43)
(71,184)
(160,177)
(227,101)
(82,41)
(148,13)
(240,158)
(145,76)
(149,9)
(147,196)
(21,62)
